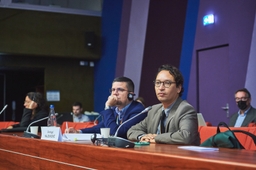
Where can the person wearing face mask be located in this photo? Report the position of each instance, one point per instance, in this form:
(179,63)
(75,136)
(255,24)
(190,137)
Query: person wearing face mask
(119,107)
(246,113)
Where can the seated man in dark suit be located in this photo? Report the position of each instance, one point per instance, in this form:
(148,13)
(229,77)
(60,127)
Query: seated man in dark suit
(119,107)
(246,113)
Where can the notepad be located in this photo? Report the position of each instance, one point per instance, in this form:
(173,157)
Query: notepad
(201,121)
(78,136)
(199,148)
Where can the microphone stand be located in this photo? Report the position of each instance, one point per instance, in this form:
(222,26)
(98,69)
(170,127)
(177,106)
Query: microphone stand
(115,141)
(3,109)
(28,134)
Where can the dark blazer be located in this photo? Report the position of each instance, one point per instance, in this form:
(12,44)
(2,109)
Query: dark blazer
(250,117)
(109,120)
(26,118)
(181,125)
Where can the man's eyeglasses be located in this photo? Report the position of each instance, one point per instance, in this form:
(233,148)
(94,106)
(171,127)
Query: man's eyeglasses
(241,98)
(117,89)
(165,83)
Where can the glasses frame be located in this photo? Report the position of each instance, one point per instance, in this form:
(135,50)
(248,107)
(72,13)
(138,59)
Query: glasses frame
(164,83)
(118,90)
(241,99)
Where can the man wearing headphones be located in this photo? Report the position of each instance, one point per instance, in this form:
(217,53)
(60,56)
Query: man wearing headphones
(119,107)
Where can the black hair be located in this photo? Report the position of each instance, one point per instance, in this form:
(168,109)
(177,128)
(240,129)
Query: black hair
(77,104)
(129,82)
(38,98)
(244,90)
(141,99)
(175,73)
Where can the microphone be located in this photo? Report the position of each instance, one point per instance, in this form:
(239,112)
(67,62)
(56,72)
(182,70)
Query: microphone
(28,134)
(115,141)
(58,116)
(3,109)
(94,122)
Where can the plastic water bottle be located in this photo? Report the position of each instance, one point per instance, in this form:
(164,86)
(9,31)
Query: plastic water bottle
(52,117)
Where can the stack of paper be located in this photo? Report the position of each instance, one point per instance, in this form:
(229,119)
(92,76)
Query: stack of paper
(198,148)
(78,136)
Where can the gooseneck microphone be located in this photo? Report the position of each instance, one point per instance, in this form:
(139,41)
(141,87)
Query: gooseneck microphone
(3,109)
(145,110)
(95,121)
(56,114)
(28,134)
(114,141)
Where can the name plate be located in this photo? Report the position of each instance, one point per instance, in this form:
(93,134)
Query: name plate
(51,133)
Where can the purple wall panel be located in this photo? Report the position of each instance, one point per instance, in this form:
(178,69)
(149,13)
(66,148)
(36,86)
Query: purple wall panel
(131,41)
(251,70)
(163,44)
(136,41)
(123,36)
(233,26)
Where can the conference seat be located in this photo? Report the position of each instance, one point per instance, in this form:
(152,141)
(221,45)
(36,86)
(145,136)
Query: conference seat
(208,131)
(5,124)
(208,123)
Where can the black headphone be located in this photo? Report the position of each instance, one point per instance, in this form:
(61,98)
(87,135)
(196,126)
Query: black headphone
(34,96)
(130,96)
(33,99)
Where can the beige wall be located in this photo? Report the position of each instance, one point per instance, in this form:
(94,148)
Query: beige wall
(45,33)
(74,82)
(56,43)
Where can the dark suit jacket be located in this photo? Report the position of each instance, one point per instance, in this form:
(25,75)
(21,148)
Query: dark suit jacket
(181,125)
(109,120)
(250,117)
(26,118)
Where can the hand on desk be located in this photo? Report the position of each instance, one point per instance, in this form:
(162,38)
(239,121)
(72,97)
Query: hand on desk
(9,127)
(71,130)
(148,138)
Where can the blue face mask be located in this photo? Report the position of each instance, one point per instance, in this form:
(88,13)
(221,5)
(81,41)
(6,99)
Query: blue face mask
(242,105)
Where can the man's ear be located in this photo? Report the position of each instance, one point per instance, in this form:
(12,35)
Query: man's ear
(179,88)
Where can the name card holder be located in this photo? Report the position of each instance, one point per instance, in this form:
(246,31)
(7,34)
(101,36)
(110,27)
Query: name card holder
(51,133)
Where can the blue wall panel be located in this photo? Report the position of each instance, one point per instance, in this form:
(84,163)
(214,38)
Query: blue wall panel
(105,67)
(188,42)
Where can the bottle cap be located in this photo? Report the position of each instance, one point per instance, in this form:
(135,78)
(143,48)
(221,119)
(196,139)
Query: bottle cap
(51,106)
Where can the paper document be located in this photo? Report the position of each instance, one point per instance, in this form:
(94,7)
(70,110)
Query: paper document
(78,136)
(198,148)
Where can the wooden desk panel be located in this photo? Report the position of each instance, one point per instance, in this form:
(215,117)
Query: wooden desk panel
(40,154)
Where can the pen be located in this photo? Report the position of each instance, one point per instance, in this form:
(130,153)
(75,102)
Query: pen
(66,126)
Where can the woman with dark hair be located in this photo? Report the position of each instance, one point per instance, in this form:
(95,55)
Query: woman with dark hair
(35,109)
